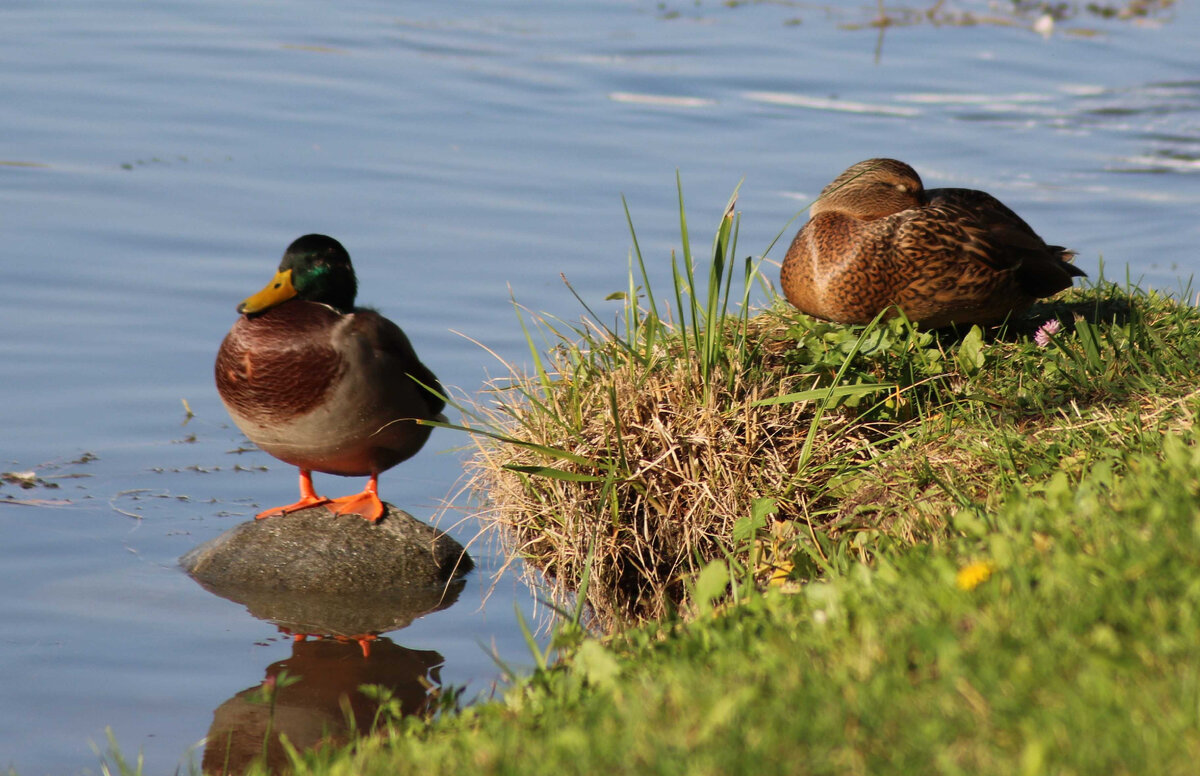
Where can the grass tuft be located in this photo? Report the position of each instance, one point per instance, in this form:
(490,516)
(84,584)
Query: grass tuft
(631,452)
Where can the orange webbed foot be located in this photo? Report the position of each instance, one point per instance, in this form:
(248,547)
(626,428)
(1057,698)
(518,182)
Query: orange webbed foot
(303,503)
(366,504)
(308,498)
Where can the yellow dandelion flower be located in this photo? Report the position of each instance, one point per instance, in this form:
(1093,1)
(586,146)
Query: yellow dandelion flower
(780,573)
(973,575)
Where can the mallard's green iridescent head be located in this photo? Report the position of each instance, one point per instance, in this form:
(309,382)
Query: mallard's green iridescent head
(315,268)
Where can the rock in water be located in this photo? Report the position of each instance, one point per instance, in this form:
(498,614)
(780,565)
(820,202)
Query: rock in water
(314,572)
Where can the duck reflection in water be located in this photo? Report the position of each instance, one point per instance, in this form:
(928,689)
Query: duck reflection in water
(314,699)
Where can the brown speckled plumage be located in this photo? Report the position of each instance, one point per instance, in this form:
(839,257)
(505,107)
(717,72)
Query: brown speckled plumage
(876,238)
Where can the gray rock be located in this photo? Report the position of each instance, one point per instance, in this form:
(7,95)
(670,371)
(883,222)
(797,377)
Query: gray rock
(316,573)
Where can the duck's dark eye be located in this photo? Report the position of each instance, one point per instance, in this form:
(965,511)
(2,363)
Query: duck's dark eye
(277,285)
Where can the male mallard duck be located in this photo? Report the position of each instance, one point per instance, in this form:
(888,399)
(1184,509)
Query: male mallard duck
(876,237)
(322,384)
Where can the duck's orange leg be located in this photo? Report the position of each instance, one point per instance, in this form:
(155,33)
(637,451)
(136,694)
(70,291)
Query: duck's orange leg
(308,498)
(365,504)
(364,642)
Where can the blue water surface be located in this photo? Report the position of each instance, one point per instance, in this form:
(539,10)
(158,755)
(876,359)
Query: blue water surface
(157,157)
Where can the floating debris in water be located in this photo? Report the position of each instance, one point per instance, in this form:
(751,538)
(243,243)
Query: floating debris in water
(26,480)
(1044,26)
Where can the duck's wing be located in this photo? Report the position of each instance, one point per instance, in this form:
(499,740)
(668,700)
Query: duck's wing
(986,229)
(392,345)
(990,232)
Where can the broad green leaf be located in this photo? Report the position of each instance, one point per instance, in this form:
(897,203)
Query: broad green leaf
(970,351)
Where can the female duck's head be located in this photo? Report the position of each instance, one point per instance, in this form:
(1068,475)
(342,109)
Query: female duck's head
(872,189)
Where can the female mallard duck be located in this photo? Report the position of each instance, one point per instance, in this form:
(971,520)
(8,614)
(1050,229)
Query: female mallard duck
(876,238)
(322,384)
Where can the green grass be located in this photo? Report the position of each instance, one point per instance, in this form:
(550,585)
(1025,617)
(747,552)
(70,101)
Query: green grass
(632,453)
(943,553)
(985,561)
(1080,654)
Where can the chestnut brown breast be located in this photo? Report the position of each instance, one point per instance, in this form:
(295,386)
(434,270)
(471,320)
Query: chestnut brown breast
(279,364)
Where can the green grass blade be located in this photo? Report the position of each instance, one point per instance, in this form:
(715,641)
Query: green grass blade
(534,352)
(689,273)
(829,394)
(823,404)
(552,473)
(539,658)
(641,262)
(551,452)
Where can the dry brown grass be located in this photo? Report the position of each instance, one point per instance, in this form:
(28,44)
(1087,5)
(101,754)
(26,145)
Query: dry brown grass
(654,470)
(689,464)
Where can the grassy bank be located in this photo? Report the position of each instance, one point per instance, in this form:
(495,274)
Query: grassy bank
(1052,627)
(692,431)
(1078,655)
(976,552)
(821,549)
